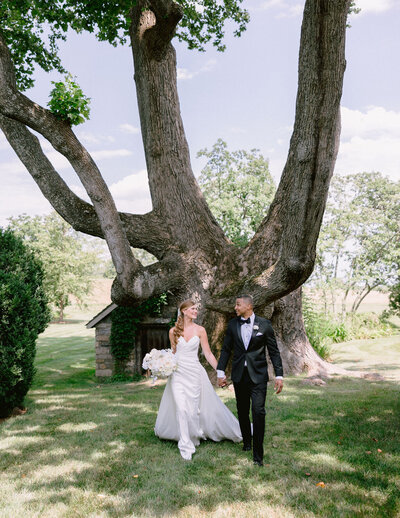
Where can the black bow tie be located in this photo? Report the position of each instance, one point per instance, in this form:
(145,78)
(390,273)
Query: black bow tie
(244,321)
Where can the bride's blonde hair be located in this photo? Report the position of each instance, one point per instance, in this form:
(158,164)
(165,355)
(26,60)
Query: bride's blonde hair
(178,329)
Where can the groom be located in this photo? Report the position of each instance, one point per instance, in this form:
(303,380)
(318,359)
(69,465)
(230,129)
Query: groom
(248,335)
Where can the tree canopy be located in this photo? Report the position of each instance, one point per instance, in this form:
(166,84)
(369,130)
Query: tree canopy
(33,28)
(68,264)
(238,188)
(358,248)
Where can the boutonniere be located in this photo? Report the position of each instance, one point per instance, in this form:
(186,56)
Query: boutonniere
(255,328)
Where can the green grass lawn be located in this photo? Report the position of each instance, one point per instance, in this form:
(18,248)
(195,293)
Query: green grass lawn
(88,450)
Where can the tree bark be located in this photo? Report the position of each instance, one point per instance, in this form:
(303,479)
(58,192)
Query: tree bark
(195,257)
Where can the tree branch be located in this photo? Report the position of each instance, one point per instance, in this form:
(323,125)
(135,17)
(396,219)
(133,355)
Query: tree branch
(295,216)
(155,279)
(156,22)
(143,231)
(17,106)
(285,243)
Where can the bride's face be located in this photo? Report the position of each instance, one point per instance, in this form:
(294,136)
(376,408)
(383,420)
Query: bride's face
(190,312)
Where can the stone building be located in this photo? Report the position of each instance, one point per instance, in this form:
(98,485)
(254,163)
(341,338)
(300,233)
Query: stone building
(152,333)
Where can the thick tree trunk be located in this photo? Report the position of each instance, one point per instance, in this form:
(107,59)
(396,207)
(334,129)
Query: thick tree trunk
(195,258)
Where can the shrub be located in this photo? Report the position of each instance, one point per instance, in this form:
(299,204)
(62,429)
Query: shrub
(23,315)
(324,329)
(319,328)
(363,326)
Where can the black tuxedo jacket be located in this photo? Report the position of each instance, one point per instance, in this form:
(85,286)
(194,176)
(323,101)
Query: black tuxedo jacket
(262,337)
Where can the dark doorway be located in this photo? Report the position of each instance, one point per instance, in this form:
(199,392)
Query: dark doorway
(148,337)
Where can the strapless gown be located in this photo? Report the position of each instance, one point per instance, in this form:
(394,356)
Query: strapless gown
(190,409)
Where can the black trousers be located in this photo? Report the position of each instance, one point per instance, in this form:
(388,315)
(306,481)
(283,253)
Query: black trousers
(246,391)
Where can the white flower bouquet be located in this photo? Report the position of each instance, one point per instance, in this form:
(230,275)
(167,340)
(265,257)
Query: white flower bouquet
(161,362)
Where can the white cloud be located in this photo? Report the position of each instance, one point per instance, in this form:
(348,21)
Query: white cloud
(59,161)
(364,154)
(374,121)
(22,196)
(283,8)
(11,169)
(90,138)
(375,6)
(185,74)
(132,193)
(110,153)
(370,141)
(128,128)
(291,11)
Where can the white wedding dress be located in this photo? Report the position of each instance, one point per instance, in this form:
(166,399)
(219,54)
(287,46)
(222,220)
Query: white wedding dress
(190,409)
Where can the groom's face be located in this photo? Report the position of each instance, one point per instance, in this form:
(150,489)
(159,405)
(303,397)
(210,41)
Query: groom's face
(242,308)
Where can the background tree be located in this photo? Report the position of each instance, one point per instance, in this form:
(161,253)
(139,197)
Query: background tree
(67,259)
(195,258)
(238,188)
(358,248)
(23,315)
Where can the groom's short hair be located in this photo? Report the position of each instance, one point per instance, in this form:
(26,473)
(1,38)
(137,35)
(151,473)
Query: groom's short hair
(247,298)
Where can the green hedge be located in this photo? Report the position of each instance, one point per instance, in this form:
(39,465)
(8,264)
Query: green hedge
(23,315)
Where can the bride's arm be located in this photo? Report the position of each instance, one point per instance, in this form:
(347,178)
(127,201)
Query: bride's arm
(206,348)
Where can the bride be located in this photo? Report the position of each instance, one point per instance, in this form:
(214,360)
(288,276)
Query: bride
(190,409)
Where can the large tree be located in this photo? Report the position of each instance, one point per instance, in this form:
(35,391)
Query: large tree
(358,248)
(238,188)
(195,258)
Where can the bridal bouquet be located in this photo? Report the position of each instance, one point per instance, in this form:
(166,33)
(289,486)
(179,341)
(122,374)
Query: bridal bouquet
(161,362)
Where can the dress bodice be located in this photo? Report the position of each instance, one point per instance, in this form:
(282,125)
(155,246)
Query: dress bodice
(187,350)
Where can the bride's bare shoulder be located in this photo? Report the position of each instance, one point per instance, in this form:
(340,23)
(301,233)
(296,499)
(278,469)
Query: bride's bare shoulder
(200,329)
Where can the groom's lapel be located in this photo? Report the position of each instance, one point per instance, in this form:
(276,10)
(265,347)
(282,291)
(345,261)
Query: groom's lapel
(239,333)
(256,328)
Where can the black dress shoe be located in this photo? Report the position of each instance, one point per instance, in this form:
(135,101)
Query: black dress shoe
(246,447)
(258,463)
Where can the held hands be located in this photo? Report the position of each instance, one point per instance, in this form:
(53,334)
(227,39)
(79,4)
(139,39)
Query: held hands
(222,382)
(278,386)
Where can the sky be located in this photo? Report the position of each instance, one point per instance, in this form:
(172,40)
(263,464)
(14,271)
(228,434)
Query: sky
(245,96)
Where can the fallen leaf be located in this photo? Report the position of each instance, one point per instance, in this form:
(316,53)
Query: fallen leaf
(308,474)
(320,484)
(274,445)
(375,440)
(23,476)
(379,451)
(339,442)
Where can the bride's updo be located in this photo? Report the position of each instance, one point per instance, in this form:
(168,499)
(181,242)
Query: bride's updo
(178,329)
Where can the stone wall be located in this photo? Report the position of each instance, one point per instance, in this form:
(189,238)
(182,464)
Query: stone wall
(105,363)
